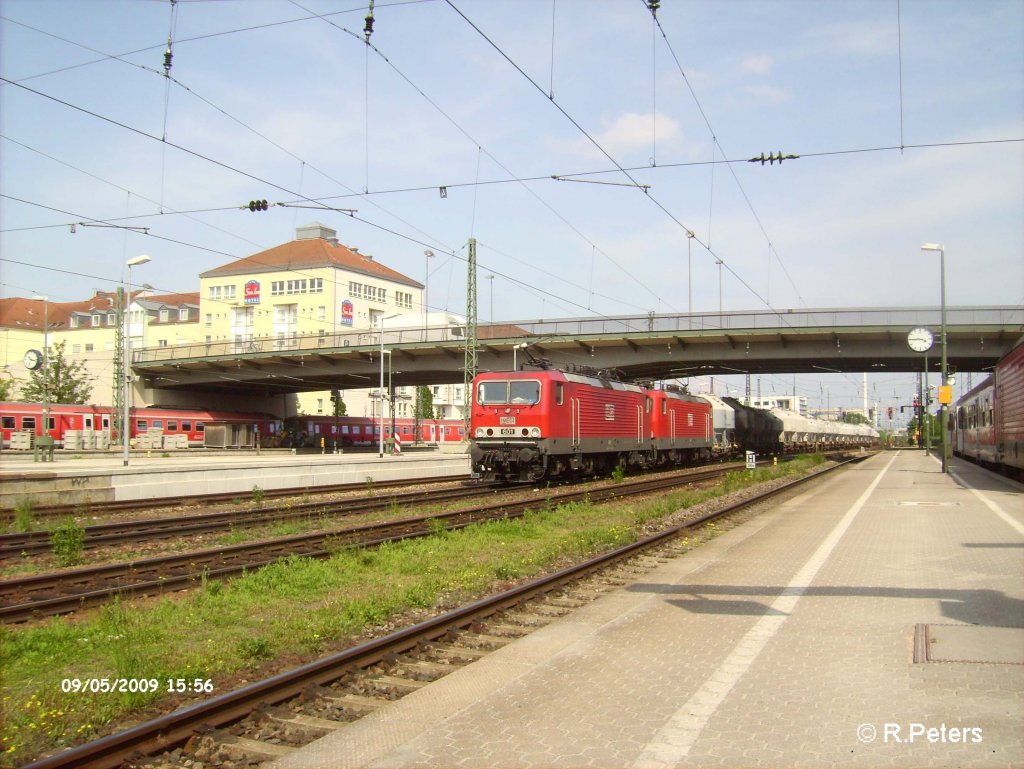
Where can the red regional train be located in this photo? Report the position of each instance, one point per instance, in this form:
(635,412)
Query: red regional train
(988,422)
(82,427)
(543,424)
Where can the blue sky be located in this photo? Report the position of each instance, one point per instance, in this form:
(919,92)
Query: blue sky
(271,101)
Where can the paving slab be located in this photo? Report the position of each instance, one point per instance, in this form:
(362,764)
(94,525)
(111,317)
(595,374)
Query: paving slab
(787,641)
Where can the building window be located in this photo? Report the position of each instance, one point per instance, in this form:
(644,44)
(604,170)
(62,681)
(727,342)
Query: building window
(215,292)
(296,286)
(97,319)
(74,321)
(209,319)
(165,315)
(76,348)
(321,313)
(183,313)
(88,346)
(111,319)
(277,288)
(316,285)
(161,343)
(229,292)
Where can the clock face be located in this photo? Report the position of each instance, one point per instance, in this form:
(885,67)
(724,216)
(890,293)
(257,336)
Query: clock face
(33,359)
(920,339)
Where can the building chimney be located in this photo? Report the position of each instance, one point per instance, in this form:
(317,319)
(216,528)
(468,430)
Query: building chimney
(317,231)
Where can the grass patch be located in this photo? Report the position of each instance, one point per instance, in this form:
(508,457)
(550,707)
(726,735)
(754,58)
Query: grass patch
(296,605)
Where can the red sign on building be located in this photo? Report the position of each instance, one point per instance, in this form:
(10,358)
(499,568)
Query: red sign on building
(252,292)
(346,312)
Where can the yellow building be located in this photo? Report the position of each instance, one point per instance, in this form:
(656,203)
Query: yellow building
(312,285)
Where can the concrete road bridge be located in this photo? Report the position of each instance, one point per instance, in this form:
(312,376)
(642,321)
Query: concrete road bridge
(649,346)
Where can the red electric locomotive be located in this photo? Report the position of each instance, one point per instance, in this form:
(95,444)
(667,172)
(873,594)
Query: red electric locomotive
(544,424)
(682,427)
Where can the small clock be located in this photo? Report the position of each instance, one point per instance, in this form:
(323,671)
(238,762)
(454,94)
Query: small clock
(33,359)
(920,339)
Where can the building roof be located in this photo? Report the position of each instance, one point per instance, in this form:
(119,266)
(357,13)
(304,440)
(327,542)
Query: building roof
(28,314)
(316,246)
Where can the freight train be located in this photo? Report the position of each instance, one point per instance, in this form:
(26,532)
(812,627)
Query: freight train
(531,425)
(90,427)
(987,423)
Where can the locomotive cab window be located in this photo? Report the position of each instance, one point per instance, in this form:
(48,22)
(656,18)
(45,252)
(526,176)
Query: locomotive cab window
(8,423)
(559,393)
(504,392)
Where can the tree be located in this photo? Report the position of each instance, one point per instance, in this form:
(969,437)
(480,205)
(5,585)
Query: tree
(6,389)
(853,418)
(59,381)
(338,407)
(423,408)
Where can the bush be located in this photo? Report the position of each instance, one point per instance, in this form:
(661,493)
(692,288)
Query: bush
(68,541)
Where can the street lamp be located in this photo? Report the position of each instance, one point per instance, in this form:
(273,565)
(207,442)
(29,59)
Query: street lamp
(127,355)
(945,373)
(382,352)
(426,283)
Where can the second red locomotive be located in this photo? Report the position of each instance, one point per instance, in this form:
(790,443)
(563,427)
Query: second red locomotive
(545,424)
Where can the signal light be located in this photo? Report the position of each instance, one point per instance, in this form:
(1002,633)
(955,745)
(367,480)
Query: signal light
(258,205)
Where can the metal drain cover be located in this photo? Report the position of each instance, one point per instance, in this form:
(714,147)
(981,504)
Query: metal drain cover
(969,643)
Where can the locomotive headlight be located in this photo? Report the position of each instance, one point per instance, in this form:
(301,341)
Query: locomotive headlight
(535,432)
(479,432)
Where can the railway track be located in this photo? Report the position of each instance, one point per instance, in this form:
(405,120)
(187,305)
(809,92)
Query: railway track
(135,505)
(316,698)
(62,592)
(105,534)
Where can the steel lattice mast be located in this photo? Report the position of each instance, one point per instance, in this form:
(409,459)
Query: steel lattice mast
(119,373)
(470,364)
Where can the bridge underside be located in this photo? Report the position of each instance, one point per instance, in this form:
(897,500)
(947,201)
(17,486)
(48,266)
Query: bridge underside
(644,355)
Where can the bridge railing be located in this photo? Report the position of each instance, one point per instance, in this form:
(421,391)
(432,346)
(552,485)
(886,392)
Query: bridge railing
(1012,317)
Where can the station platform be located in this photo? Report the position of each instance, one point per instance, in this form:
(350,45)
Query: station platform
(103,477)
(874,620)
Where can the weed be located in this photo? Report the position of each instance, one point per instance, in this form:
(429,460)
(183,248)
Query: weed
(68,541)
(369,485)
(165,455)
(619,474)
(258,495)
(253,649)
(23,515)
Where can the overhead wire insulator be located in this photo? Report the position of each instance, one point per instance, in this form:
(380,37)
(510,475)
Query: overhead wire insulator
(258,205)
(168,56)
(368,29)
(771,158)
(653,6)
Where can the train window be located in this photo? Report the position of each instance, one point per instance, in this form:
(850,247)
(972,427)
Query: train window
(7,423)
(559,394)
(527,392)
(664,406)
(28,423)
(158,424)
(186,427)
(52,422)
(355,429)
(492,392)
(141,424)
(201,427)
(172,425)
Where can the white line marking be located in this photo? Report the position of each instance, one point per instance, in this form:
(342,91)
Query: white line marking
(675,739)
(1014,523)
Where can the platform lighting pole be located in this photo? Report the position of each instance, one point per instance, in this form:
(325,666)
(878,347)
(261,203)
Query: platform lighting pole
(945,372)
(719,263)
(515,349)
(46,363)
(426,291)
(382,353)
(689,277)
(490,278)
(127,367)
